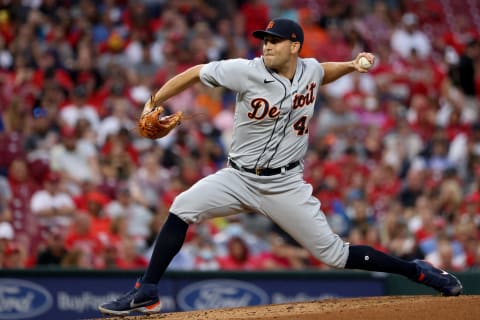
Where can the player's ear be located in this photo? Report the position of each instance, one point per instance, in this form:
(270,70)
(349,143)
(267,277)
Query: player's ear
(296,47)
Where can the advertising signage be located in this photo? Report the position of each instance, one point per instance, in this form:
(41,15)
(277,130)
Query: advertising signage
(31,296)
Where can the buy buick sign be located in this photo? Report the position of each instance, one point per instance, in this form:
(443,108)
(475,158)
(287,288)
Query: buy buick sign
(214,294)
(20,299)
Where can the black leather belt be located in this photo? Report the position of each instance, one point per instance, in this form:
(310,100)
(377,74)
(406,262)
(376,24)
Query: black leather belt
(265,171)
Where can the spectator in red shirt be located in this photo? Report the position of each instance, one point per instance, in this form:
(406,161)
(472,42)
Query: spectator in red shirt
(238,256)
(23,220)
(336,47)
(382,186)
(422,116)
(256,14)
(16,256)
(128,257)
(53,206)
(82,237)
(285,256)
(121,153)
(101,222)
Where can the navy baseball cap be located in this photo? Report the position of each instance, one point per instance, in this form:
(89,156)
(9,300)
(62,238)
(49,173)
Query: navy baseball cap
(282,28)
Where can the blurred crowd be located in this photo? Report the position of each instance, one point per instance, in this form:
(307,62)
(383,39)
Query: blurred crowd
(394,154)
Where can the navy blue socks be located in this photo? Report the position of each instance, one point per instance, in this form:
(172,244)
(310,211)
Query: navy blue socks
(169,241)
(367,258)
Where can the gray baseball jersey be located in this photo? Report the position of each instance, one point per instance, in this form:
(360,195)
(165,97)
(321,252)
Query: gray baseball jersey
(270,131)
(272,113)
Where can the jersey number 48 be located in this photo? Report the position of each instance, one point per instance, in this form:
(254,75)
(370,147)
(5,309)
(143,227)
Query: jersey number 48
(301,126)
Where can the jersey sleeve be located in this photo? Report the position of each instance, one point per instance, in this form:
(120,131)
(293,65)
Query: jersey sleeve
(314,63)
(230,74)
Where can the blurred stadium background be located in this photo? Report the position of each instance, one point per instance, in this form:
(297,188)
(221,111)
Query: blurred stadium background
(394,154)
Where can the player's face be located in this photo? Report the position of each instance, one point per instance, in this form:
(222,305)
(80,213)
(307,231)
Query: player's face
(278,52)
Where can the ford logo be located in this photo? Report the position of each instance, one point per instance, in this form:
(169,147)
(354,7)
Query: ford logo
(20,299)
(214,294)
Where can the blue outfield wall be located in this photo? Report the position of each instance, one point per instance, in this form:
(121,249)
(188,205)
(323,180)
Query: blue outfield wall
(60,294)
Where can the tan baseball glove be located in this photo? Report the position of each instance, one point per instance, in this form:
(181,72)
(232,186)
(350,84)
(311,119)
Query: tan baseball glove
(153,125)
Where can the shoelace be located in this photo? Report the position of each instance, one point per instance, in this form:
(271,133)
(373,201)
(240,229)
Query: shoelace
(127,296)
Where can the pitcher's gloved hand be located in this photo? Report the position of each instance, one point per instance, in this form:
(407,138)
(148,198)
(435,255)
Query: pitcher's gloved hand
(153,125)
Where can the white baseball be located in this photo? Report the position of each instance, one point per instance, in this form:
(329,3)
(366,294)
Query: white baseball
(364,63)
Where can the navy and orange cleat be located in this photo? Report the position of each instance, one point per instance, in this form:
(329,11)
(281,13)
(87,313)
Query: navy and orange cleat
(142,298)
(438,279)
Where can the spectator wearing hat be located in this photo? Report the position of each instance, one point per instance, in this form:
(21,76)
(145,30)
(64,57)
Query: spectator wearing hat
(53,206)
(16,256)
(77,108)
(13,252)
(53,250)
(76,159)
(6,235)
(42,137)
(408,37)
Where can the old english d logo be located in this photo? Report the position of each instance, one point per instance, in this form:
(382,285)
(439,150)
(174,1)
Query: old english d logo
(270,25)
(294,36)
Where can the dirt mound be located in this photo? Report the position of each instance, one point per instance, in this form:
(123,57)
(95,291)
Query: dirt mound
(373,308)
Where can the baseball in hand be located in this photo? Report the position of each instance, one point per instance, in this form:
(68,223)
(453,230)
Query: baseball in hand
(364,63)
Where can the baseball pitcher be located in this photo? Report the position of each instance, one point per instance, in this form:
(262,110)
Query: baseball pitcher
(275,101)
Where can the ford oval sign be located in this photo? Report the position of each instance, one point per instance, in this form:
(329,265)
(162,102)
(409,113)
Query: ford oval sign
(20,299)
(214,294)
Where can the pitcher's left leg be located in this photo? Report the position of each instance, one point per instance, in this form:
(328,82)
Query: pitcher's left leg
(298,213)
